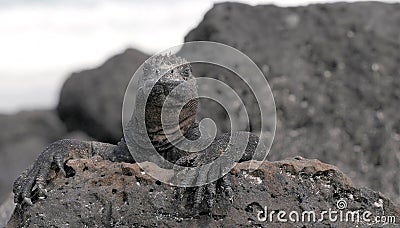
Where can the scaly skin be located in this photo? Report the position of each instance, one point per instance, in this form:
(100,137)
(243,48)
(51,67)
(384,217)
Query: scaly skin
(56,155)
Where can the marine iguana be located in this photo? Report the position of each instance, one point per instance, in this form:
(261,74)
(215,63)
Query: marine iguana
(179,70)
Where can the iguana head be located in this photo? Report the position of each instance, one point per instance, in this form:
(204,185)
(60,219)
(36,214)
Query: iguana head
(168,76)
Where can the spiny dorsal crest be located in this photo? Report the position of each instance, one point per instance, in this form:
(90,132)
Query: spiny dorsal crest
(158,65)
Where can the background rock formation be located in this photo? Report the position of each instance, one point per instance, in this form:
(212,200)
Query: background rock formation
(334,71)
(91,100)
(6,210)
(90,104)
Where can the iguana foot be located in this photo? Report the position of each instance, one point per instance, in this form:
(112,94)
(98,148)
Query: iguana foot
(210,192)
(203,198)
(30,186)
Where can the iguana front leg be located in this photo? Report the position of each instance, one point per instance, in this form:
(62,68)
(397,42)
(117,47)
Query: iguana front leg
(208,193)
(55,156)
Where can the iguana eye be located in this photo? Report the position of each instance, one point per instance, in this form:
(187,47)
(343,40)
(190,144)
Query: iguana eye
(186,72)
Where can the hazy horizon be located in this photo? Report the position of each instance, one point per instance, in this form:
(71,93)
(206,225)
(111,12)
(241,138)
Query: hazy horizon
(42,42)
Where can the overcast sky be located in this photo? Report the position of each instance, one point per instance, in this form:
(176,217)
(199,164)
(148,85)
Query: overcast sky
(41,42)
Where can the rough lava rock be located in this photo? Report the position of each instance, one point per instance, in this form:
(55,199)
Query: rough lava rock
(105,194)
(334,71)
(91,100)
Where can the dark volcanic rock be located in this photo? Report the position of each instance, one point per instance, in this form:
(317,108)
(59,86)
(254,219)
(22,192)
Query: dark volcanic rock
(334,70)
(91,100)
(105,194)
(22,137)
